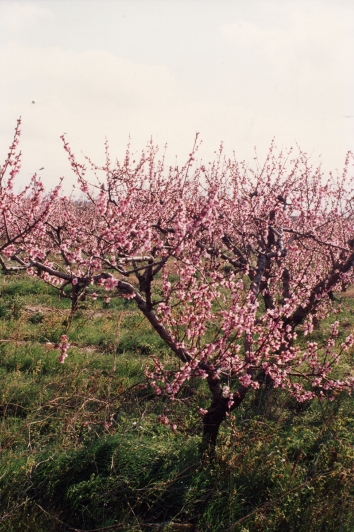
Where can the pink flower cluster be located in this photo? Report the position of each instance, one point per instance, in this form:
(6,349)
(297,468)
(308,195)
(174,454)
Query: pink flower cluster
(63,345)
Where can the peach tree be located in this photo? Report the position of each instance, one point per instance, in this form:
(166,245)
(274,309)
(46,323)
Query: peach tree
(229,264)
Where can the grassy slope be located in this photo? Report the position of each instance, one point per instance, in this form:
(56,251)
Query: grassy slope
(280,466)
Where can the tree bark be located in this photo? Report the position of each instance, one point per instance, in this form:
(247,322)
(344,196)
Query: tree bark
(215,415)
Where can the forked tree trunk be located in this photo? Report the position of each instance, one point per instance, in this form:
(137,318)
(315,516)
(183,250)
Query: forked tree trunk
(216,414)
(211,424)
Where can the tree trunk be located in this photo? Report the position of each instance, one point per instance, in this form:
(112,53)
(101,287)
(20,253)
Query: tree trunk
(215,415)
(211,423)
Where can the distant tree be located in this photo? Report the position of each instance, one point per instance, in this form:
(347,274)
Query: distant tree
(23,214)
(227,263)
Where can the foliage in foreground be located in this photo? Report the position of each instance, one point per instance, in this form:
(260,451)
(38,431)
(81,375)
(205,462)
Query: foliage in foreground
(80,448)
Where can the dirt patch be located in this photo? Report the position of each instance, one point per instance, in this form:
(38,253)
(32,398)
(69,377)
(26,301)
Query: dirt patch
(348,293)
(38,308)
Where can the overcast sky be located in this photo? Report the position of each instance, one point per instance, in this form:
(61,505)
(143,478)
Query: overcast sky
(238,71)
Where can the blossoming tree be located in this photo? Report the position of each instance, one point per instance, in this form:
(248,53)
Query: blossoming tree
(227,264)
(24,214)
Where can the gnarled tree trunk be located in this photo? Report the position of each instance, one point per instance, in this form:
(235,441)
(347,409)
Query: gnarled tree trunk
(216,414)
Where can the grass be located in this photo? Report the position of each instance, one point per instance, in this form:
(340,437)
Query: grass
(81,449)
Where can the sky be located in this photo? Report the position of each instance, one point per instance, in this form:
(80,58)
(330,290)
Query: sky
(238,71)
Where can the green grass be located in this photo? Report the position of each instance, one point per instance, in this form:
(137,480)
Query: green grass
(280,465)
